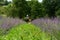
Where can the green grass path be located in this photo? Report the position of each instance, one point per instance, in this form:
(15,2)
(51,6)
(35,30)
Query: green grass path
(25,32)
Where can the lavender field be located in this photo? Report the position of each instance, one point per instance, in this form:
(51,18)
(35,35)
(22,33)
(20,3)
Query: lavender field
(51,26)
(29,19)
(45,26)
(7,23)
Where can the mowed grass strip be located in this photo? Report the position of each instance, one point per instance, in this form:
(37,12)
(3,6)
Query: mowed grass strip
(26,32)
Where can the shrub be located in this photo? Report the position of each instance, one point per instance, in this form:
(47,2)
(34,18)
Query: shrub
(7,23)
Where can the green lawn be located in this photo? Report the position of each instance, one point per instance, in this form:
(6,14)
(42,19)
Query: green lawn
(26,32)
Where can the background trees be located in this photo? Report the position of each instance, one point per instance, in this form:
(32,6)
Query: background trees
(36,9)
(33,8)
(1,2)
(21,8)
(50,6)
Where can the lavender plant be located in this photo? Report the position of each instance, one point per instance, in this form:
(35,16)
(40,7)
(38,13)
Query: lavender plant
(7,23)
(52,26)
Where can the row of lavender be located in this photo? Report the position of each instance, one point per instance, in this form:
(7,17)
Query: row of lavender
(52,26)
(7,23)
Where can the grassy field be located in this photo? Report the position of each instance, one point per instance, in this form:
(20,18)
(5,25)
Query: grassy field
(26,32)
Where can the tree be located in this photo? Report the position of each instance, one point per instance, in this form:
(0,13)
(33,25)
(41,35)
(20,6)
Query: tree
(58,8)
(11,10)
(1,2)
(22,7)
(58,12)
(6,2)
(36,9)
(50,6)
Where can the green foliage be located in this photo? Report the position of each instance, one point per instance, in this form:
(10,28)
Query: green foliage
(11,10)
(3,2)
(21,7)
(58,12)
(6,2)
(57,34)
(36,9)
(2,10)
(50,6)
(26,32)
(1,31)
(58,8)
